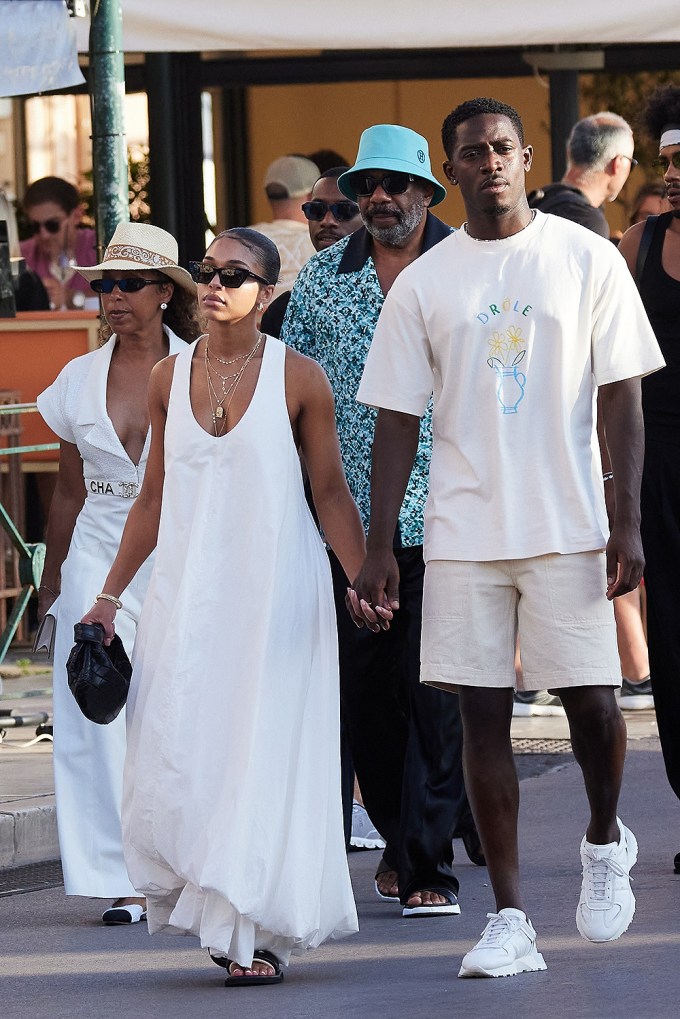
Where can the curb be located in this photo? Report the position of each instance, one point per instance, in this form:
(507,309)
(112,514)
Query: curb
(28,835)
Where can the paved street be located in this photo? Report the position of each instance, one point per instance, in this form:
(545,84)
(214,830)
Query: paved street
(56,960)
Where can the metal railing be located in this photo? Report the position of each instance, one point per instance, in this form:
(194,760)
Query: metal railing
(30,557)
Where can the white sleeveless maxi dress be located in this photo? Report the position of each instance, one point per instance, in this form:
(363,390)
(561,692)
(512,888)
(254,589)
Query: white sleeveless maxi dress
(233,718)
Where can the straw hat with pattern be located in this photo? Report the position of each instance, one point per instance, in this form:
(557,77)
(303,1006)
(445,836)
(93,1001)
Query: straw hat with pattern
(139,246)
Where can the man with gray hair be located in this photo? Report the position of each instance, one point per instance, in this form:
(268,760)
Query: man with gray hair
(599,160)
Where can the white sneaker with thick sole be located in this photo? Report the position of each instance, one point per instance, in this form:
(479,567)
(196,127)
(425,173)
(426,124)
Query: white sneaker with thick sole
(364,834)
(507,947)
(607,903)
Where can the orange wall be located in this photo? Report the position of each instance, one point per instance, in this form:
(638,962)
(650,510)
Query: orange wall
(301,118)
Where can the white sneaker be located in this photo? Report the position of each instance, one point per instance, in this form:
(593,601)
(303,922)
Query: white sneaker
(507,947)
(607,903)
(364,834)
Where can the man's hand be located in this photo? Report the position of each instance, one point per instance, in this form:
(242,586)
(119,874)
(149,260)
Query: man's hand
(625,560)
(374,597)
(55,291)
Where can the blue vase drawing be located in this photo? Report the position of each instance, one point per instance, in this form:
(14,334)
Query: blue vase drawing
(511,382)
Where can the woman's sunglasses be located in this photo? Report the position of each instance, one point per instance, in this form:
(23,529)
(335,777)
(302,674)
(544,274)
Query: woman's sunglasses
(363,184)
(230,276)
(52,226)
(128,285)
(341,212)
(662,164)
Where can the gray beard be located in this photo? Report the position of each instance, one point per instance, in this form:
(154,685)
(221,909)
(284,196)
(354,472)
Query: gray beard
(396,236)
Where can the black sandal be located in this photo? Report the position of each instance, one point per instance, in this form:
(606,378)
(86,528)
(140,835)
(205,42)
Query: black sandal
(260,955)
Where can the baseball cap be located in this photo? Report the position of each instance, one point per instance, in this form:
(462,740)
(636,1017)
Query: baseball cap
(296,175)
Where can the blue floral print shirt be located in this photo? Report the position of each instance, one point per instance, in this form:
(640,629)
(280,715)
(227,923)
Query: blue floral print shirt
(331,316)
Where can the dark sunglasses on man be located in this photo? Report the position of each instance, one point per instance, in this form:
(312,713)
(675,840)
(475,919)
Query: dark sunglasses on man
(52,226)
(128,285)
(230,275)
(363,184)
(662,164)
(341,212)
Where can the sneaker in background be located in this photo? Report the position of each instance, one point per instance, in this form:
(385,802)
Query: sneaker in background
(364,834)
(607,903)
(507,947)
(536,703)
(636,696)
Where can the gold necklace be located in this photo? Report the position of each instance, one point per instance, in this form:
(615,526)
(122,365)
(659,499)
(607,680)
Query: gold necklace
(218,410)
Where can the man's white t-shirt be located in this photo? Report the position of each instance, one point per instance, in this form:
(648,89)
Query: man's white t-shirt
(513,337)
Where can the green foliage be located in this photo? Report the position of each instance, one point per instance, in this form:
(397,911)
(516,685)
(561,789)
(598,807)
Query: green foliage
(138,188)
(626,94)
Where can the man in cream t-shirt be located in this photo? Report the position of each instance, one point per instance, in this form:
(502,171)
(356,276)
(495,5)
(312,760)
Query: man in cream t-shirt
(514,323)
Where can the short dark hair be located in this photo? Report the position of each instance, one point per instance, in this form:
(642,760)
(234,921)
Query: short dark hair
(661,109)
(333,173)
(326,159)
(261,246)
(51,189)
(476,108)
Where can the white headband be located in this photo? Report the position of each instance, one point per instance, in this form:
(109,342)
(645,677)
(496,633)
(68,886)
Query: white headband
(670,137)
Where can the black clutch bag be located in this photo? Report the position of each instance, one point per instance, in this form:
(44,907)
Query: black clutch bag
(98,676)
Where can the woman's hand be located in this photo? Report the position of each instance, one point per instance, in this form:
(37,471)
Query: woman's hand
(46,598)
(104,613)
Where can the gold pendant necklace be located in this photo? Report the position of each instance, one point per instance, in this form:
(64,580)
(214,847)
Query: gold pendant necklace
(217,408)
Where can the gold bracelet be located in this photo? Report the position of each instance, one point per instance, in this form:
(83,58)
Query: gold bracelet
(110,597)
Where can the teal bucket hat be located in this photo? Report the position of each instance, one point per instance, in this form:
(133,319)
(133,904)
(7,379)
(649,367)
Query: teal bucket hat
(390,147)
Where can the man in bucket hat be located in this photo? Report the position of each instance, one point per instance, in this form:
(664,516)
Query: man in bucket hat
(405,738)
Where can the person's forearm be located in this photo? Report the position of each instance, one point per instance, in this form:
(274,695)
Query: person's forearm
(60,525)
(138,542)
(624,429)
(342,527)
(395,444)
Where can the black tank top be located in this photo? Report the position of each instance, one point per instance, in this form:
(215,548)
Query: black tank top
(661,297)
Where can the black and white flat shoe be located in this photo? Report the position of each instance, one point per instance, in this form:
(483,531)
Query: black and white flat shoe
(118,915)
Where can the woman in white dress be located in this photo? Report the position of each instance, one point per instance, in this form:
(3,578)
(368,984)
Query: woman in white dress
(233,717)
(98,408)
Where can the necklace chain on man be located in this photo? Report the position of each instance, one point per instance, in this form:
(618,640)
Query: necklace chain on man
(217,408)
(486,240)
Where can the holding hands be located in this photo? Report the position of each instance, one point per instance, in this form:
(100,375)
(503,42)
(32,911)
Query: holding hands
(374,597)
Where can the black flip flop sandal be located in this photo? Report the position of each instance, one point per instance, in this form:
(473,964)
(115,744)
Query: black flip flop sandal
(383,869)
(261,955)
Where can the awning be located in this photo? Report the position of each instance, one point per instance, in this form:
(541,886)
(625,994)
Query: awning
(307,25)
(38,51)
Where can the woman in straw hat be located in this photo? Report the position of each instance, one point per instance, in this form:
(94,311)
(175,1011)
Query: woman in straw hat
(98,408)
(233,717)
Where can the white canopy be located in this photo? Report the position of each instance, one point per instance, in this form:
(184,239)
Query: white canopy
(37,48)
(304,25)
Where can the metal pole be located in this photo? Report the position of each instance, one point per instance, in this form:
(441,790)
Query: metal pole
(564,113)
(107,94)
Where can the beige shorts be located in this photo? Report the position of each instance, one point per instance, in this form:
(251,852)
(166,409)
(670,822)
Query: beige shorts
(473,612)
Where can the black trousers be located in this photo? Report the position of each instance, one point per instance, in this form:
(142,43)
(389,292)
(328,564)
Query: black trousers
(660,505)
(406,739)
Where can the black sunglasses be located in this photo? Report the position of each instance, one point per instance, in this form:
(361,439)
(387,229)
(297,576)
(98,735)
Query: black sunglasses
(230,276)
(342,212)
(662,164)
(363,184)
(51,225)
(128,285)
